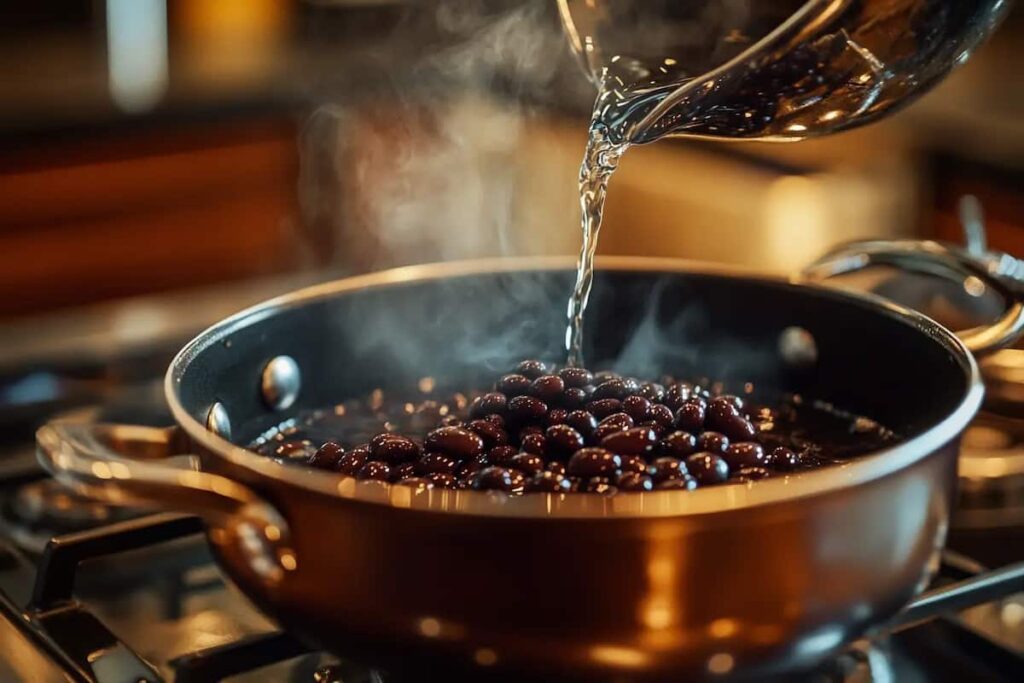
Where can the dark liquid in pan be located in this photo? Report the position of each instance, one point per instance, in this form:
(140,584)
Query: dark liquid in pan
(539,429)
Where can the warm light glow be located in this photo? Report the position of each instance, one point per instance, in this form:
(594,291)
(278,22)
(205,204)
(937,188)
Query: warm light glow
(721,663)
(723,628)
(430,627)
(485,656)
(427,384)
(101,470)
(622,657)
(289,562)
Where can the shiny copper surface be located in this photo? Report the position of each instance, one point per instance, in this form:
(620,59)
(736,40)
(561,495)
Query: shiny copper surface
(765,577)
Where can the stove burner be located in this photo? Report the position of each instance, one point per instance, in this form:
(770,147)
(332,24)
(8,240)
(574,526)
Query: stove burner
(36,511)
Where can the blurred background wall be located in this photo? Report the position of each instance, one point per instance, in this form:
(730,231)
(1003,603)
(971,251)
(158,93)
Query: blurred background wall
(162,146)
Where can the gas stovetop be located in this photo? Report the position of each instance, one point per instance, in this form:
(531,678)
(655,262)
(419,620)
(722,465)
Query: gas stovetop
(95,594)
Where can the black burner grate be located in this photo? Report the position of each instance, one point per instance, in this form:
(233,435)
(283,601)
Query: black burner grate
(78,644)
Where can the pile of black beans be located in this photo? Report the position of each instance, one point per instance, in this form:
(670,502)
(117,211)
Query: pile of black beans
(551,430)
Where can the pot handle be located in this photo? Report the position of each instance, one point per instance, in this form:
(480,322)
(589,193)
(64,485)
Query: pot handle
(1000,272)
(119,464)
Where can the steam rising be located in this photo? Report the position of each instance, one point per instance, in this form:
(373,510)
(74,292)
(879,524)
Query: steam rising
(428,169)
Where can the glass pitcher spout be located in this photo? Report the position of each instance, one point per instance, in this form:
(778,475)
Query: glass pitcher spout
(778,70)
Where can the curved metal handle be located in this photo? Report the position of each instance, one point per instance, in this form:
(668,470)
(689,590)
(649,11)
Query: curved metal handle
(942,260)
(118,464)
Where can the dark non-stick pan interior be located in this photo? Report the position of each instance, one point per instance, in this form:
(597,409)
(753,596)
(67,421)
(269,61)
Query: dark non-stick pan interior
(464,329)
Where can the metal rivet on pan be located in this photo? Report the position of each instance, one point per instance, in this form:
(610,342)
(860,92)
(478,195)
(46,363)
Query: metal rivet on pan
(797,347)
(280,382)
(218,422)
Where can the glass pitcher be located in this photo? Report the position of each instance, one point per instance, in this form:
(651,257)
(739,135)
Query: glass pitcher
(766,69)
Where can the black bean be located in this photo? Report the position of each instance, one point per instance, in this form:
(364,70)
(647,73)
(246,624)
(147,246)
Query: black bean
(593,462)
(604,407)
(548,388)
(712,442)
(613,388)
(556,416)
(405,470)
(492,434)
(602,485)
(467,470)
(514,385)
(690,418)
(652,391)
(637,407)
(618,421)
(563,440)
(432,462)
(494,402)
(662,415)
(634,481)
(547,482)
(725,417)
(518,479)
(353,461)
(573,398)
(745,454)
(678,445)
(751,474)
(582,421)
(379,439)
(443,480)
(296,451)
(556,467)
(532,368)
(668,468)
(605,430)
(735,401)
(676,395)
(633,463)
(527,409)
(603,376)
(576,377)
(686,483)
(534,443)
(721,409)
(708,468)
(659,430)
(496,420)
(328,456)
(374,470)
(785,459)
(527,463)
(455,441)
(501,455)
(492,479)
(530,429)
(635,441)
(394,449)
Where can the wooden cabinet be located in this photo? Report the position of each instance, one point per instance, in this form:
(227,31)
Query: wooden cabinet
(85,219)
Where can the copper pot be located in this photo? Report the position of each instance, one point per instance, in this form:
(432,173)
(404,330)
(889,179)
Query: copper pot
(744,579)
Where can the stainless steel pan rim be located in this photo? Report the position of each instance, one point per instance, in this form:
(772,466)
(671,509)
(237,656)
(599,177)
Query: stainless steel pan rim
(656,504)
